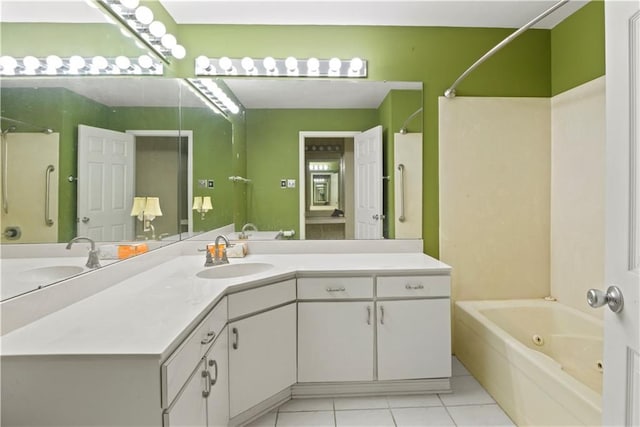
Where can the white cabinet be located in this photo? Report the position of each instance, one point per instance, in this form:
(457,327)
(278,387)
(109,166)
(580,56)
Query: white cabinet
(204,401)
(262,357)
(413,339)
(335,341)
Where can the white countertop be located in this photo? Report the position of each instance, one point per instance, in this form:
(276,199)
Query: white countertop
(149,313)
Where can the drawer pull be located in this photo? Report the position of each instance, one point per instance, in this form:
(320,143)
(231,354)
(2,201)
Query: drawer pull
(340,289)
(411,287)
(207,384)
(381,315)
(236,338)
(210,336)
(368,315)
(213,380)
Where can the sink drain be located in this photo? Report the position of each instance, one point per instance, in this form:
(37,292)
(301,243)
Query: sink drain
(537,339)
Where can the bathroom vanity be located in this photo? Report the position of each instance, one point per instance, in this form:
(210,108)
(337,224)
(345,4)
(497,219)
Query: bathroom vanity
(180,344)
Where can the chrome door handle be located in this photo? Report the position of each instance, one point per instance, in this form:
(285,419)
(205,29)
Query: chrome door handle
(613,298)
(236,338)
(85,219)
(214,365)
(210,336)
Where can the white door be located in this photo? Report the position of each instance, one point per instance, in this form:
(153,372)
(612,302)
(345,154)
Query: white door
(262,357)
(335,341)
(411,342)
(105,184)
(368,184)
(621,381)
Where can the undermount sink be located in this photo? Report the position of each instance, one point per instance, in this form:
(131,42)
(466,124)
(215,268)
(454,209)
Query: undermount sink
(227,271)
(49,274)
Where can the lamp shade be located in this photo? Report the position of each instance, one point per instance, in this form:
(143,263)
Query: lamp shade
(197,203)
(137,209)
(152,209)
(206,204)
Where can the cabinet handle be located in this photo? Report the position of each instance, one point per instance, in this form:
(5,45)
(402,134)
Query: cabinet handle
(368,315)
(340,289)
(236,338)
(381,315)
(210,336)
(213,380)
(207,384)
(410,287)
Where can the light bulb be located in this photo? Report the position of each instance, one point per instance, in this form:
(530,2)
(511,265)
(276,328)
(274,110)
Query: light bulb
(144,15)
(77,62)
(130,4)
(225,63)
(168,41)
(313,65)
(356,65)
(31,63)
(54,62)
(178,51)
(99,62)
(157,29)
(269,63)
(247,64)
(335,64)
(291,63)
(203,63)
(123,62)
(145,61)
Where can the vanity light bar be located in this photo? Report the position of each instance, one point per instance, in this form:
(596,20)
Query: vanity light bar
(215,95)
(75,65)
(139,21)
(273,67)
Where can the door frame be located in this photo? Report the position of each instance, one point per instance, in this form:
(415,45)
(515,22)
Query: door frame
(177,134)
(303,135)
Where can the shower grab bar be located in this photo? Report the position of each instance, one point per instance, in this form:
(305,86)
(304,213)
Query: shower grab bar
(47,195)
(451,92)
(402,218)
(5,174)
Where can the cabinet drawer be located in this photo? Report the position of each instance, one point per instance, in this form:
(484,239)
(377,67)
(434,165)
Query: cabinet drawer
(413,286)
(262,298)
(176,370)
(335,287)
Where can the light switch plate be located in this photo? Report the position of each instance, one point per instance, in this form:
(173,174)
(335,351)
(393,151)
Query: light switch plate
(291,183)
(283,183)
(202,183)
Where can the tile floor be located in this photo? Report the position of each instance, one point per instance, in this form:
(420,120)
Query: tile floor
(468,405)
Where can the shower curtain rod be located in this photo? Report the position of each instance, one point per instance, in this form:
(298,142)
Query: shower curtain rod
(451,92)
(42,128)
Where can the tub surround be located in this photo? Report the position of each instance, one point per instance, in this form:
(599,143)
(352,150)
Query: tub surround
(495,341)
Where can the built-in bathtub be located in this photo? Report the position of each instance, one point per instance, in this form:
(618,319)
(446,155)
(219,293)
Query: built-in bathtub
(540,360)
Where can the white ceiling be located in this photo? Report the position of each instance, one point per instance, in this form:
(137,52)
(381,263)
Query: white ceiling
(445,13)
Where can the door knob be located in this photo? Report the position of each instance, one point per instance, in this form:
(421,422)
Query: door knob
(85,219)
(613,298)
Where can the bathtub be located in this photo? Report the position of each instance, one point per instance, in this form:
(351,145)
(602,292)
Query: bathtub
(540,360)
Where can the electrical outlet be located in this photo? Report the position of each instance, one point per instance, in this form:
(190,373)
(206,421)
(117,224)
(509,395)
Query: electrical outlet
(283,183)
(210,183)
(291,183)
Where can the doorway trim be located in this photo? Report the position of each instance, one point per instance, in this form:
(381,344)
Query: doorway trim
(303,135)
(178,134)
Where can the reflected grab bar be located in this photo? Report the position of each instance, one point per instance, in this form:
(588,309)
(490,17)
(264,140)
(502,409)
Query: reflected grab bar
(401,218)
(47,195)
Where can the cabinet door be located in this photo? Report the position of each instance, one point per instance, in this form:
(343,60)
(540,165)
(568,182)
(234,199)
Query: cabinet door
(262,357)
(190,407)
(335,341)
(218,367)
(414,339)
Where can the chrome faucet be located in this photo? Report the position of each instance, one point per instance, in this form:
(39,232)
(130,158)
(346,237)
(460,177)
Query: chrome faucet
(92,261)
(217,259)
(247,226)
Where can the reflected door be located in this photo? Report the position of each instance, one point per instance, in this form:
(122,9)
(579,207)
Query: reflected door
(368,184)
(105,184)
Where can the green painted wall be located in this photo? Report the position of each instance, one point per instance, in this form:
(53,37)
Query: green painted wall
(273,154)
(578,48)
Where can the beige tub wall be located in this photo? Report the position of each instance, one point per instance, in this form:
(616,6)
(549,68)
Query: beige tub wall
(577,194)
(495,165)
